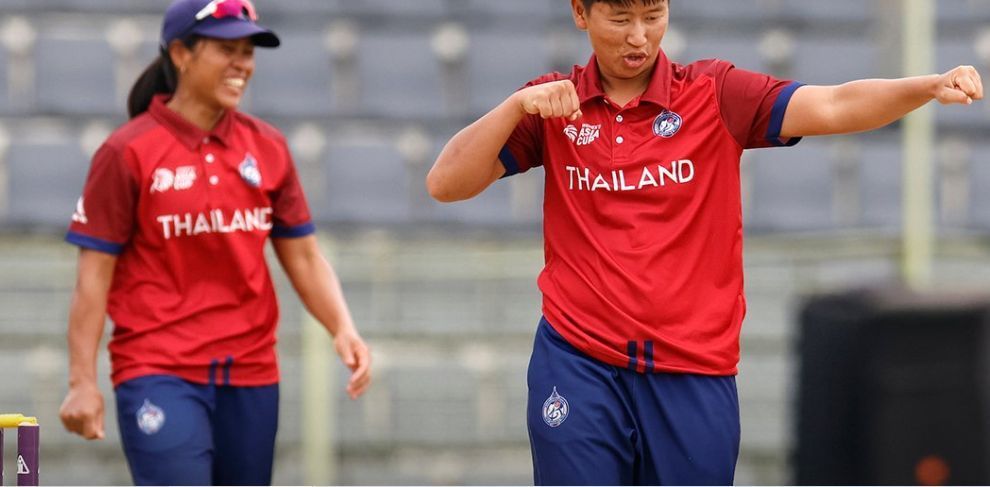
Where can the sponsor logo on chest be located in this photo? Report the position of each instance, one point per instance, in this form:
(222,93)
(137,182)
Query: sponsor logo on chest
(588,133)
(165,179)
(215,221)
(649,177)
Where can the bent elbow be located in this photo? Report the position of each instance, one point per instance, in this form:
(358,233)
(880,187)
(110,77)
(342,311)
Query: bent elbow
(438,190)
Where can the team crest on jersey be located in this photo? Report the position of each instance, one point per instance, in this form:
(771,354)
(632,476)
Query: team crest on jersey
(555,409)
(588,134)
(667,124)
(249,171)
(150,418)
(165,179)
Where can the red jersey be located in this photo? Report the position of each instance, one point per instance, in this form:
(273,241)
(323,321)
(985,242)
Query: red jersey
(188,213)
(642,212)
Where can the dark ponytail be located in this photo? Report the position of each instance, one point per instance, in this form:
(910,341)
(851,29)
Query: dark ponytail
(159,77)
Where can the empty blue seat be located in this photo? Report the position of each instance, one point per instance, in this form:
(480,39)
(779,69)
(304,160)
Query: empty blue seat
(834,10)
(400,75)
(835,60)
(45,181)
(576,50)
(520,11)
(962,10)
(5,105)
(881,183)
(737,49)
(367,181)
(393,8)
(293,80)
(492,206)
(714,12)
(979,187)
(500,63)
(76,76)
(951,53)
(791,189)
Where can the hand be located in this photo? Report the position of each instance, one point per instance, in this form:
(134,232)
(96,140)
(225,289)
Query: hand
(82,411)
(355,355)
(961,85)
(550,100)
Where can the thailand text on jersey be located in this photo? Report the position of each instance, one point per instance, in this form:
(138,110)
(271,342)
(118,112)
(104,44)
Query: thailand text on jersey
(188,213)
(642,212)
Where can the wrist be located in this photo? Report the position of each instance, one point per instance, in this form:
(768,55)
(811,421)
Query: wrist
(934,83)
(515,101)
(82,382)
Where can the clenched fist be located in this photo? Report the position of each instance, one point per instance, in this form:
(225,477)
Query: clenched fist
(557,99)
(82,411)
(960,85)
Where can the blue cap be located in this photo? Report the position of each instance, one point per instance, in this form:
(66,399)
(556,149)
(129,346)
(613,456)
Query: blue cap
(180,22)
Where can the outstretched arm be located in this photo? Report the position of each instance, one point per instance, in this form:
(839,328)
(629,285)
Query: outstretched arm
(469,162)
(319,289)
(869,104)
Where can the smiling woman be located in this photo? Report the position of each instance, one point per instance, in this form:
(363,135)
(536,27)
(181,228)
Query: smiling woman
(172,225)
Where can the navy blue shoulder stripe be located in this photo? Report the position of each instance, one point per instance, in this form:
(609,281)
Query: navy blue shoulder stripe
(93,243)
(777,116)
(294,232)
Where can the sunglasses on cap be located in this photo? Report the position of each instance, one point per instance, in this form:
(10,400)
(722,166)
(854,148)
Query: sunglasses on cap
(221,9)
(223,19)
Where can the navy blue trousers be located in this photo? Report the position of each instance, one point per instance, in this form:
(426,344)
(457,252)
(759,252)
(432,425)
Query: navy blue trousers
(591,423)
(176,432)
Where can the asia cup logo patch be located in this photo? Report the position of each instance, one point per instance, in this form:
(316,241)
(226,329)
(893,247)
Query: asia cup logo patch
(150,418)
(165,179)
(588,134)
(555,409)
(249,171)
(667,124)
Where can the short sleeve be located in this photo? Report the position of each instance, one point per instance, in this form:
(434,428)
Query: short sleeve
(753,107)
(290,212)
(104,219)
(524,149)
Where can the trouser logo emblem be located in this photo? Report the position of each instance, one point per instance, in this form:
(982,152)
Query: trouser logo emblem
(555,409)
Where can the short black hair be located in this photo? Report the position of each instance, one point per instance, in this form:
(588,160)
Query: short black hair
(620,3)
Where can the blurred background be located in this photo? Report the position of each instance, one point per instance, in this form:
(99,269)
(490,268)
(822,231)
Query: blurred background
(367,92)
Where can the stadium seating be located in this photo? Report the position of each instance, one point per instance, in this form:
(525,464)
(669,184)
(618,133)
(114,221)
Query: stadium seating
(366,181)
(496,68)
(75,76)
(832,61)
(5,104)
(393,9)
(515,11)
(949,54)
(44,182)
(791,189)
(881,175)
(737,49)
(400,75)
(979,187)
(294,80)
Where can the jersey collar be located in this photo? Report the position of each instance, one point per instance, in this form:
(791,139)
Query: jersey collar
(589,82)
(184,131)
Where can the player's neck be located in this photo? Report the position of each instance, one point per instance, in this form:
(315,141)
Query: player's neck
(199,114)
(623,90)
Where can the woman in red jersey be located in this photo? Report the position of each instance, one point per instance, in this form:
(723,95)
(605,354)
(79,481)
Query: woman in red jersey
(172,224)
(632,377)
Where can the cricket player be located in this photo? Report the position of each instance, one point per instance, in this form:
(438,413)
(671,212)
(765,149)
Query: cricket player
(175,214)
(632,376)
